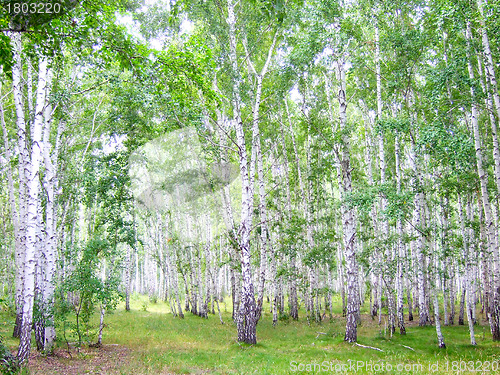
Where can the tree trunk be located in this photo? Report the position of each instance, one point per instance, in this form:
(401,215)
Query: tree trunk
(418,215)
(491,236)
(462,306)
(409,301)
(440,336)
(452,293)
(400,246)
(257,154)
(15,214)
(348,217)
(467,271)
(246,319)
(24,166)
(50,246)
(32,214)
(292,281)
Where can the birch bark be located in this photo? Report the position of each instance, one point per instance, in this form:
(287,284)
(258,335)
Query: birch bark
(384,225)
(24,166)
(400,245)
(491,236)
(439,333)
(31,214)
(294,311)
(227,213)
(257,151)
(348,217)
(50,246)
(466,274)
(246,319)
(494,314)
(19,250)
(418,214)
(292,286)
(369,122)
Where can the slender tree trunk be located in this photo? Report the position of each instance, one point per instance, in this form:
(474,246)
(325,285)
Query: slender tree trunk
(127,277)
(384,225)
(462,306)
(440,336)
(31,214)
(101,325)
(50,246)
(246,319)
(369,122)
(257,154)
(452,293)
(292,294)
(400,246)
(409,301)
(17,216)
(24,166)
(491,236)
(175,282)
(466,274)
(228,217)
(418,215)
(131,250)
(348,217)
(294,310)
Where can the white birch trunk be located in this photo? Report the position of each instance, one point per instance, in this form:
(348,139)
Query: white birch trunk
(31,214)
(466,274)
(418,214)
(246,319)
(257,154)
(439,333)
(494,314)
(400,246)
(348,217)
(19,243)
(384,225)
(491,235)
(17,70)
(227,214)
(50,245)
(374,292)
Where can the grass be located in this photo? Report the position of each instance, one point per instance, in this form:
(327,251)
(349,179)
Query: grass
(160,344)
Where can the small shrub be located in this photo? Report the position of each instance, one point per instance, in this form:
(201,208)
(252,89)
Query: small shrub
(7,304)
(284,317)
(8,363)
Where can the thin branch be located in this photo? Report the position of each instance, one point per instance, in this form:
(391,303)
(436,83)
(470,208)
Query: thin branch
(91,88)
(407,347)
(217,144)
(368,347)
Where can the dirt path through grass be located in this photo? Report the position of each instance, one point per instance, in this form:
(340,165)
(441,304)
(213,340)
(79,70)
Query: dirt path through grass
(148,340)
(107,359)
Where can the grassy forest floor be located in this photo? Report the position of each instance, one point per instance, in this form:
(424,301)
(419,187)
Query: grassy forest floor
(148,340)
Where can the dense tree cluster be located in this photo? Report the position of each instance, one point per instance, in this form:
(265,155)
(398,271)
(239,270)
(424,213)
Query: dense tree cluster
(281,151)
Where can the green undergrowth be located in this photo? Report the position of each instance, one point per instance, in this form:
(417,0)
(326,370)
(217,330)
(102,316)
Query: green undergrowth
(161,344)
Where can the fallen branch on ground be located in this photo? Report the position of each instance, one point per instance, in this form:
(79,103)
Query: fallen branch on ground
(368,347)
(407,347)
